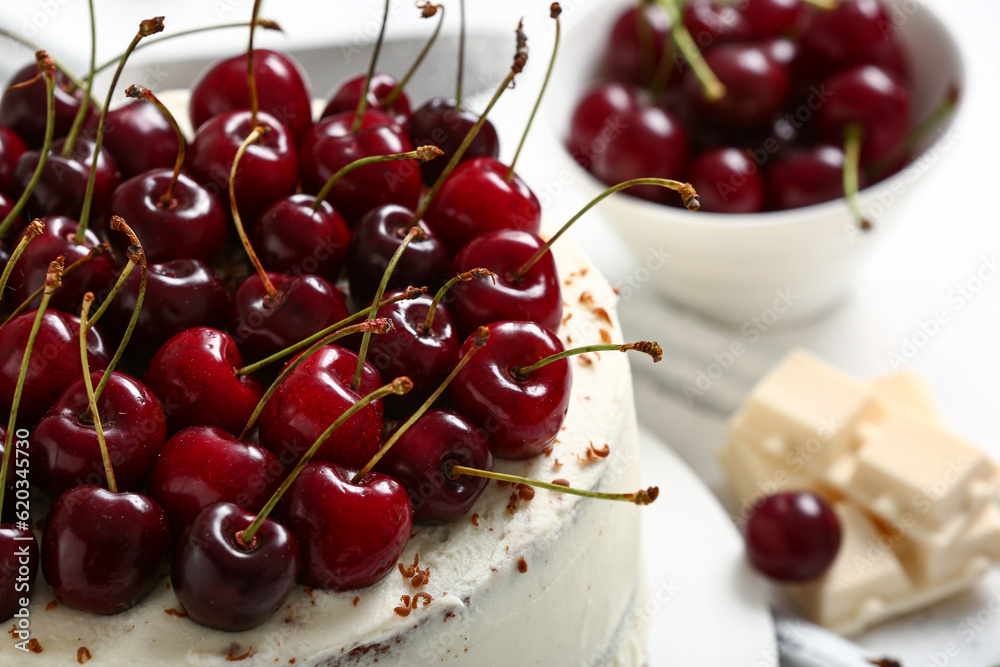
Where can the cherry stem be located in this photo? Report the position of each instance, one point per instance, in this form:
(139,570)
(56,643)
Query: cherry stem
(918,134)
(399,386)
(410,293)
(651,348)
(125,273)
(422,153)
(713,88)
(139,92)
(555,11)
(686,191)
(251,77)
(641,497)
(94,252)
(146,28)
(415,234)
(359,113)
(88,299)
(520,59)
(52,280)
(379,325)
(258,132)
(81,113)
(482,336)
(35,229)
(825,5)
(460,75)
(27,43)
(853,138)
(473,274)
(428,10)
(47,69)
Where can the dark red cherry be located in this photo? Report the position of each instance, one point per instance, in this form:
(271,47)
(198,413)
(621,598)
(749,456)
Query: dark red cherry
(376,239)
(203,465)
(290,237)
(10,488)
(351,535)
(311,398)
(282,90)
(418,458)
(139,124)
(477,199)
(268,170)
(303,306)
(344,98)
(854,33)
(772,18)
(18,568)
(24,109)
(102,552)
(792,536)
(332,145)
(712,23)
(16,227)
(439,123)
(756,86)
(727,181)
(194,376)
(225,584)
(11,148)
(64,448)
(624,55)
(55,361)
(520,415)
(806,177)
(534,296)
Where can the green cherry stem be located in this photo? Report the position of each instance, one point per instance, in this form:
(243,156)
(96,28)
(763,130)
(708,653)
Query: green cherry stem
(359,113)
(647,347)
(825,5)
(482,336)
(95,414)
(254,136)
(686,191)
(399,386)
(554,11)
(415,234)
(473,274)
(853,138)
(141,93)
(410,293)
(125,273)
(81,113)
(641,497)
(35,229)
(146,28)
(52,281)
(422,153)
(713,88)
(379,325)
(427,10)
(46,69)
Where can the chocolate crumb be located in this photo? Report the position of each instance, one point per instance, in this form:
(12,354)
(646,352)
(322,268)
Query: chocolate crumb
(475,519)
(174,612)
(512,503)
(83,654)
(561,481)
(34,646)
(424,597)
(605,336)
(52,605)
(357,599)
(522,565)
(586,359)
(586,298)
(233,657)
(603,314)
(556,464)
(593,453)
(617,290)
(404,608)
(885,662)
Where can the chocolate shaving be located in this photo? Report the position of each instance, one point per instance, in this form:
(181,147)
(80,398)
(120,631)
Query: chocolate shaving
(522,565)
(83,654)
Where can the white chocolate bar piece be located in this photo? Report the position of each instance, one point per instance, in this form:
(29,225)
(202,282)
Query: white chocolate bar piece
(907,393)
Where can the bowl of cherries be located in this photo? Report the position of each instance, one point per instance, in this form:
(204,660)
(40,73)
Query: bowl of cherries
(799,123)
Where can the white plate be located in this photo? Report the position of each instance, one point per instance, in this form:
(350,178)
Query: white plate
(705,606)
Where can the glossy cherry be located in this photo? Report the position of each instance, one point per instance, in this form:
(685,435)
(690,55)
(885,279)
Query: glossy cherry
(344,98)
(194,376)
(23,109)
(290,237)
(438,123)
(135,125)
(351,535)
(728,181)
(11,148)
(17,226)
(18,568)
(713,23)
(521,415)
(806,177)
(792,536)
(772,18)
(225,584)
(103,552)
(624,56)
(854,33)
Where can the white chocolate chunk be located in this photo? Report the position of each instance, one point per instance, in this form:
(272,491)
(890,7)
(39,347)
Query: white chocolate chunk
(905,393)
(944,558)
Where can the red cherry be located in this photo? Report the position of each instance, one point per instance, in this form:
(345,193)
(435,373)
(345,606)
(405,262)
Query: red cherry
(624,56)
(103,552)
(851,34)
(351,535)
(11,148)
(226,585)
(792,536)
(772,18)
(344,98)
(290,237)
(806,177)
(133,125)
(520,415)
(23,109)
(439,123)
(710,23)
(727,181)
(18,567)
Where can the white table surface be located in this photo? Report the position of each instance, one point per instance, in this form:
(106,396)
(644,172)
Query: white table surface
(947,235)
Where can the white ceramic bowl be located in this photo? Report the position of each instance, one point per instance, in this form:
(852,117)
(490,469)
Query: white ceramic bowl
(736,267)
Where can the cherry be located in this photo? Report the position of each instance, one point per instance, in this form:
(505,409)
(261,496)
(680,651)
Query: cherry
(853,33)
(282,89)
(806,177)
(772,18)
(616,137)
(628,56)
(351,534)
(871,98)
(374,242)
(203,465)
(533,296)
(194,376)
(710,23)
(133,125)
(345,97)
(728,181)
(9,489)
(521,415)
(792,536)
(310,397)
(439,122)
(226,584)
(11,148)
(17,226)
(55,361)
(18,568)
(418,459)
(23,109)
(102,552)
(291,237)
